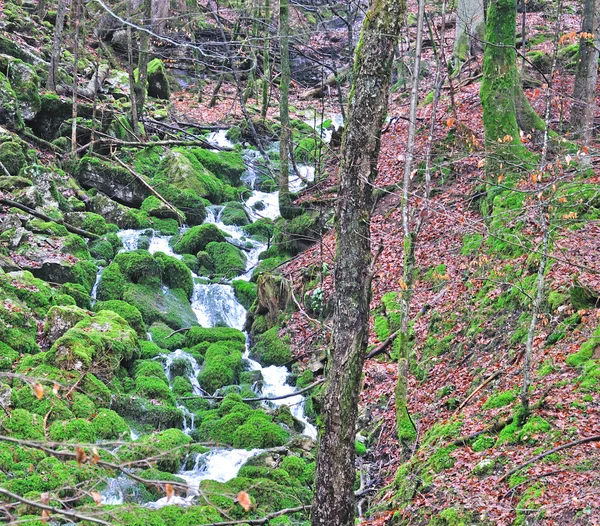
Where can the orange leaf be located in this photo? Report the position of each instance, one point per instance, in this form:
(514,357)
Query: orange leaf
(450,122)
(45,498)
(45,516)
(96,496)
(481,163)
(169,491)
(95,456)
(500,177)
(55,388)
(80,456)
(244,500)
(39,391)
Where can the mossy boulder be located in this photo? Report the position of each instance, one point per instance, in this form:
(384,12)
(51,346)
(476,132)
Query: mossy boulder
(18,326)
(197,238)
(128,312)
(97,344)
(23,424)
(245,292)
(197,335)
(222,365)
(158,83)
(13,159)
(112,180)
(227,166)
(10,115)
(117,213)
(8,356)
(234,213)
(26,84)
(78,293)
(175,274)
(229,261)
(271,349)
(262,229)
(75,430)
(60,319)
(171,446)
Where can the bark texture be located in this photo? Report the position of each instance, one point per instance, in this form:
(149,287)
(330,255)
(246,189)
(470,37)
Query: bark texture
(470,29)
(584,91)
(56,45)
(285,205)
(334,495)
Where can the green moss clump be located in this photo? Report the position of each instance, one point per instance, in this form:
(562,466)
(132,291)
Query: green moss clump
(153,388)
(23,424)
(234,213)
(140,267)
(18,327)
(229,261)
(108,425)
(82,406)
(78,293)
(198,335)
(170,445)
(149,350)
(500,400)
(270,349)
(227,166)
(222,365)
(586,352)
(111,284)
(76,430)
(197,238)
(149,369)
(245,292)
(257,432)
(128,312)
(12,157)
(175,273)
(262,229)
(8,356)
(160,333)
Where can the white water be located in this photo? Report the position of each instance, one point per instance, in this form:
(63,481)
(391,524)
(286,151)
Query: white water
(215,304)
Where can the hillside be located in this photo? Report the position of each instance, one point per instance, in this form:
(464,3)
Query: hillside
(157,314)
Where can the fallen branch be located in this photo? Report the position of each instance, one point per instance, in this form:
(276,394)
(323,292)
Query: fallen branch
(380,349)
(149,187)
(262,398)
(141,144)
(70,228)
(494,428)
(266,518)
(179,330)
(65,513)
(595,438)
(487,381)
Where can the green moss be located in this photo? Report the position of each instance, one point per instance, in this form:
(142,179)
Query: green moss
(12,157)
(257,432)
(149,369)
(111,284)
(170,445)
(586,351)
(270,349)
(483,442)
(153,388)
(222,365)
(245,292)
(76,430)
(229,261)
(23,424)
(160,333)
(262,229)
(18,328)
(499,400)
(175,273)
(234,213)
(197,238)
(108,425)
(83,407)
(128,312)
(227,166)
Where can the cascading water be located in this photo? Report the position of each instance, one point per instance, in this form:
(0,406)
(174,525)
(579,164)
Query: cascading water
(215,304)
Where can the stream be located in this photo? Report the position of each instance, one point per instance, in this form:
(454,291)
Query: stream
(215,304)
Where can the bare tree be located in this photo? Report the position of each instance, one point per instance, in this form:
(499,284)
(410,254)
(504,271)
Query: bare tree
(56,44)
(584,91)
(470,29)
(334,495)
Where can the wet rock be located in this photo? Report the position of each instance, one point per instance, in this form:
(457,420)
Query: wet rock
(158,83)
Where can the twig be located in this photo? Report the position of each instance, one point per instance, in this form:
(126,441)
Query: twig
(4,169)
(52,509)
(179,330)
(70,228)
(595,438)
(487,381)
(383,346)
(262,398)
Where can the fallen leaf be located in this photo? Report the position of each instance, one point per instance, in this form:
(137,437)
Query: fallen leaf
(96,496)
(169,491)
(244,500)
(80,456)
(39,391)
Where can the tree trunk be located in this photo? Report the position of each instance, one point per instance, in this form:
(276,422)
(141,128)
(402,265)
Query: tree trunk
(56,45)
(132,90)
(141,90)
(498,86)
(334,494)
(584,92)
(266,81)
(285,204)
(77,12)
(470,29)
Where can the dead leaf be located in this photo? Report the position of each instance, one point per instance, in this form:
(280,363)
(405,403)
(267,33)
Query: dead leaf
(39,391)
(244,500)
(55,388)
(45,516)
(97,497)
(169,491)
(80,456)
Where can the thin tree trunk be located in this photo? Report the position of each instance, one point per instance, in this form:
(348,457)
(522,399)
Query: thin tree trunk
(41,9)
(141,89)
(334,495)
(584,91)
(132,90)
(470,29)
(56,45)
(266,82)
(77,12)
(285,204)
(404,424)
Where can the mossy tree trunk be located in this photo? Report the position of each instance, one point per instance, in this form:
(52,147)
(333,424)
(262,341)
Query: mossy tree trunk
(499,84)
(285,204)
(78,10)
(334,492)
(266,82)
(584,91)
(132,86)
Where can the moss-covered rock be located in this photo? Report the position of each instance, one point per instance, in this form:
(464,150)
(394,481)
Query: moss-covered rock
(171,447)
(234,213)
(222,365)
(10,115)
(198,335)
(97,344)
(175,274)
(197,238)
(229,261)
(158,83)
(60,319)
(78,293)
(227,166)
(128,312)
(23,424)
(270,349)
(245,292)
(76,430)
(13,158)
